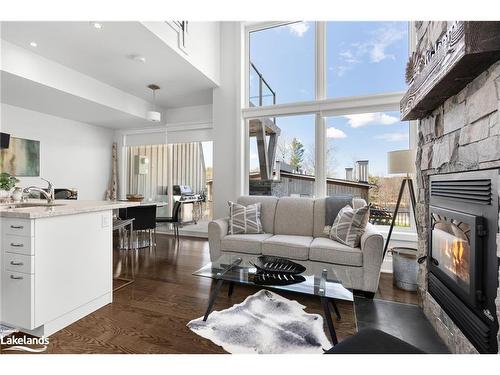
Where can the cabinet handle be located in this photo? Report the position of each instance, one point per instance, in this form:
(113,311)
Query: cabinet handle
(16,263)
(17,226)
(16,244)
(16,277)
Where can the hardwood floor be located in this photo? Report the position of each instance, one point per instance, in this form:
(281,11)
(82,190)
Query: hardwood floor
(387,291)
(150,315)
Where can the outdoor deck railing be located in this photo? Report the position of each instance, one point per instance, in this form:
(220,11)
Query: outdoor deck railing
(380,216)
(262,84)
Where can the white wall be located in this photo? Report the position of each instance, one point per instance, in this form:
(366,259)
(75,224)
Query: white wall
(203,45)
(72,154)
(188,115)
(190,124)
(227,121)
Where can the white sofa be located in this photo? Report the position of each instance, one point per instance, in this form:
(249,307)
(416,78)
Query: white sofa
(294,229)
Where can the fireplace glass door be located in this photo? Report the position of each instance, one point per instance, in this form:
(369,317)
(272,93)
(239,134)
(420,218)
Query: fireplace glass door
(454,248)
(451,245)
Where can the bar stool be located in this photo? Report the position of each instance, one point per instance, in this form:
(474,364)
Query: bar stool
(120,225)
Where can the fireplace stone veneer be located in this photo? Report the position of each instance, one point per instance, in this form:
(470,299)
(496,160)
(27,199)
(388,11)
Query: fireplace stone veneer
(461,135)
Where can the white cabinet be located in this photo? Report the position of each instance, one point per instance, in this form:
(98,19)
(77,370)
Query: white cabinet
(55,269)
(18,227)
(19,263)
(18,244)
(18,300)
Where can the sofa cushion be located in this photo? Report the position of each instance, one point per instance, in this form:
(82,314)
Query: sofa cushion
(244,243)
(267,209)
(287,246)
(330,251)
(294,216)
(319,218)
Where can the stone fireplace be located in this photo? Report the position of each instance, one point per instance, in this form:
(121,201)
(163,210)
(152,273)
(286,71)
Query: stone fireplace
(460,134)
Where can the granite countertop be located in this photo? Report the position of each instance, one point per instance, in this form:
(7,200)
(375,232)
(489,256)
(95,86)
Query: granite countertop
(61,207)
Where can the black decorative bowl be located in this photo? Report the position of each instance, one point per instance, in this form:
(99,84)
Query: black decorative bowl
(277,279)
(267,264)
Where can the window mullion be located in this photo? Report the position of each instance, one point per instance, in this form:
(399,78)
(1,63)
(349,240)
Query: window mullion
(320,133)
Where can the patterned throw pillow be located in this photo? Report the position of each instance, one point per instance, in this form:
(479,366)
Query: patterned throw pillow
(349,225)
(244,219)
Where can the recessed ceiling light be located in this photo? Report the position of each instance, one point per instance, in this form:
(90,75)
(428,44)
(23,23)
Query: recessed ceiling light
(33,44)
(137,58)
(96,25)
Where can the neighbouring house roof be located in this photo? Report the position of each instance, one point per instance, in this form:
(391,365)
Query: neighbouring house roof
(329,180)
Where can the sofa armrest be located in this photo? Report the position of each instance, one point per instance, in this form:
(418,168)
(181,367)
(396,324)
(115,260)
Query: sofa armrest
(217,230)
(372,246)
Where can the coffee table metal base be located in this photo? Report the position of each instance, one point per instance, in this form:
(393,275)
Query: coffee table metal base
(325,302)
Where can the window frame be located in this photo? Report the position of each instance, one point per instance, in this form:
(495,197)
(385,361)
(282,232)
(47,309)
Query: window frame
(322,107)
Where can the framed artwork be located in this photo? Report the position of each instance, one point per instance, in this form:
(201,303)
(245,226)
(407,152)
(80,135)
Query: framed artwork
(22,158)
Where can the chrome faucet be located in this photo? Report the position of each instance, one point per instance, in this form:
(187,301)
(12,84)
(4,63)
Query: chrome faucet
(48,195)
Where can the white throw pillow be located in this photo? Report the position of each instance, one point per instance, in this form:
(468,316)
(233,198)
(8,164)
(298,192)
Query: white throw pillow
(349,225)
(244,219)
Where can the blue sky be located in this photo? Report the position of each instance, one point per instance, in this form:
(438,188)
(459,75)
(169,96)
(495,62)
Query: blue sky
(362,58)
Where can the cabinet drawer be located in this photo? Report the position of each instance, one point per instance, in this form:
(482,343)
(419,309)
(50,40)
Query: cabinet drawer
(18,244)
(18,300)
(18,227)
(19,263)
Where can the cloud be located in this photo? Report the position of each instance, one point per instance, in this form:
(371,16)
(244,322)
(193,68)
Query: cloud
(254,156)
(374,49)
(298,28)
(393,137)
(335,133)
(364,119)
(348,57)
(384,37)
(341,69)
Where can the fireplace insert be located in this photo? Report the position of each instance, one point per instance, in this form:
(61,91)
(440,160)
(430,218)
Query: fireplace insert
(456,248)
(462,257)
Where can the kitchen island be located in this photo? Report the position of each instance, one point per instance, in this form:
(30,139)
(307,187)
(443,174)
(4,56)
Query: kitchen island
(56,263)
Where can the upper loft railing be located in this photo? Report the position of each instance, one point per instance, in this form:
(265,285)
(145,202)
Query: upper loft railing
(264,91)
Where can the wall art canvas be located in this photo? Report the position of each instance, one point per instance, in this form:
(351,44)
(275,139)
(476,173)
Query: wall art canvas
(22,158)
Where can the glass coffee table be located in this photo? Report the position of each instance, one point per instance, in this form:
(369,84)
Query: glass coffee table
(239,269)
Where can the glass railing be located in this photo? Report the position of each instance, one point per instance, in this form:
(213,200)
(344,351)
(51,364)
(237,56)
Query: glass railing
(261,93)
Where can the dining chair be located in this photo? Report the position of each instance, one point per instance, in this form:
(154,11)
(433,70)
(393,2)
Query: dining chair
(175,219)
(144,220)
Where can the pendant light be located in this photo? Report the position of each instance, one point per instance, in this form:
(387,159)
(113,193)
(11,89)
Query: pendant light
(154,115)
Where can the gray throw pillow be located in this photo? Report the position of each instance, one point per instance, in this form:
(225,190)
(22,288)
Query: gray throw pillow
(349,225)
(244,219)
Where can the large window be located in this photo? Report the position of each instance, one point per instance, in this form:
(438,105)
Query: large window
(282,64)
(365,136)
(282,156)
(366,57)
(342,83)
(357,147)
(190,165)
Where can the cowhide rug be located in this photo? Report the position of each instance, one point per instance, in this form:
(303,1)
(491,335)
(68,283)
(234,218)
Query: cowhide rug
(264,323)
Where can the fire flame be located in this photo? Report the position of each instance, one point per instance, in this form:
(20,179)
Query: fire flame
(457,264)
(455,251)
